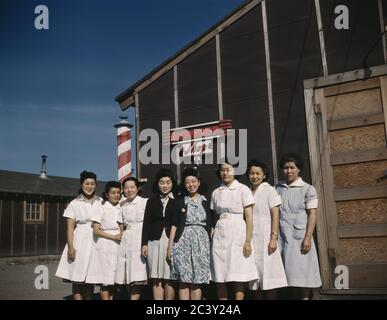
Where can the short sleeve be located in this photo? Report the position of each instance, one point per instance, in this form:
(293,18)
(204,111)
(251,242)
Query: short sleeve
(247,196)
(274,198)
(311,200)
(97,215)
(69,211)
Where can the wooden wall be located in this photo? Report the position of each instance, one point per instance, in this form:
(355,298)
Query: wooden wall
(19,238)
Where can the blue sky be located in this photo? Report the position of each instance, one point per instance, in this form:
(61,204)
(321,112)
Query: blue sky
(57,86)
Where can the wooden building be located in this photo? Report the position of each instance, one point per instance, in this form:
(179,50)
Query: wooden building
(31,212)
(298,83)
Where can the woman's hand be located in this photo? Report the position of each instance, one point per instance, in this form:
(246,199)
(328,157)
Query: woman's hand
(247,249)
(169,253)
(71,253)
(306,245)
(144,251)
(272,247)
(117,237)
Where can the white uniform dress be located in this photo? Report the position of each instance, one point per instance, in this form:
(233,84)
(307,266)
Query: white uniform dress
(81,210)
(131,266)
(270,268)
(228,261)
(103,261)
(302,270)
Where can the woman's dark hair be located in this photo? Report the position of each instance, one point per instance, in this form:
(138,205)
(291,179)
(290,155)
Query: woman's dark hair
(190,171)
(292,157)
(162,173)
(108,186)
(136,182)
(259,164)
(187,172)
(86,175)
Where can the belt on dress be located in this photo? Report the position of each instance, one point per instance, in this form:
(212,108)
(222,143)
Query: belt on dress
(231,216)
(130,226)
(84,222)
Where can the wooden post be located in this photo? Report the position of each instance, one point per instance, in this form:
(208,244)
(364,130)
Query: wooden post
(219,76)
(176,105)
(321,37)
(46,222)
(270,93)
(24,226)
(315,166)
(327,176)
(36,239)
(57,227)
(383,89)
(137,110)
(12,224)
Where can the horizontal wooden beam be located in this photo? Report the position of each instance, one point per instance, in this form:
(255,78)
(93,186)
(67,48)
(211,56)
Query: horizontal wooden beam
(340,78)
(354,122)
(351,87)
(361,231)
(361,193)
(359,156)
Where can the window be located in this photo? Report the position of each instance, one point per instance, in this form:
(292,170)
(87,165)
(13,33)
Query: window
(33,212)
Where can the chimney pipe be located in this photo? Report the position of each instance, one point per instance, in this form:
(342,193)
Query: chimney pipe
(43,173)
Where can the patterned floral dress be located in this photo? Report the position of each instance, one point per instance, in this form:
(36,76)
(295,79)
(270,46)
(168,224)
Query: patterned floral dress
(191,254)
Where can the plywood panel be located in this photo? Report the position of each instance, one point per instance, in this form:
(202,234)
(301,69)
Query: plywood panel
(362,211)
(363,250)
(362,138)
(354,104)
(359,175)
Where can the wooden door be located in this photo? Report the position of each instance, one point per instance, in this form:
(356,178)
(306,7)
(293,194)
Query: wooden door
(347,140)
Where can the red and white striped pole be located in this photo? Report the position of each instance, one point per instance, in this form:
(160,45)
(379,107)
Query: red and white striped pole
(124,148)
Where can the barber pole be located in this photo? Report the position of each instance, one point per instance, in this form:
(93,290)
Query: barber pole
(124,148)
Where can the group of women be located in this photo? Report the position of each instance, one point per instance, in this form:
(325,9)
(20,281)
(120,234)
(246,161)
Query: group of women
(256,237)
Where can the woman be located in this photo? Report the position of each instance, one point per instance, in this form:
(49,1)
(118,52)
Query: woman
(155,233)
(103,261)
(232,252)
(298,217)
(189,242)
(73,265)
(131,269)
(265,232)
